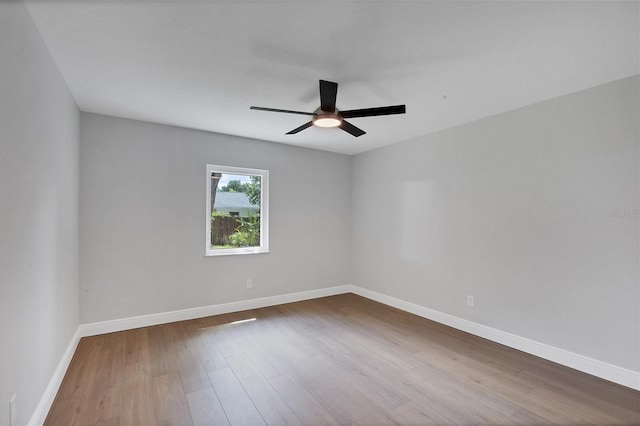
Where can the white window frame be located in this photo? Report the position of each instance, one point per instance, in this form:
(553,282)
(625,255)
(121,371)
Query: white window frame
(264,211)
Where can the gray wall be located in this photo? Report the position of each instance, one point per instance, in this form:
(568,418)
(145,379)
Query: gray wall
(513,209)
(143,219)
(38,213)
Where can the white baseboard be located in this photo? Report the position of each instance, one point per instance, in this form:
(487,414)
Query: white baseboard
(40,414)
(582,363)
(111,326)
(92,329)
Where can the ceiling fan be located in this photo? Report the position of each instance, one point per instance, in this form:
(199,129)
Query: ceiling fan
(327,115)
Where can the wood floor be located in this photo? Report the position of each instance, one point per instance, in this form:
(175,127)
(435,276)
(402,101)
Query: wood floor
(336,360)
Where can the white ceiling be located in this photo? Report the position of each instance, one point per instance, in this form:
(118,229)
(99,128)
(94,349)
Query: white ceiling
(201,64)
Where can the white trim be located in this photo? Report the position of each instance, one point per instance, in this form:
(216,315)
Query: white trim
(582,363)
(42,410)
(111,326)
(264,211)
(579,362)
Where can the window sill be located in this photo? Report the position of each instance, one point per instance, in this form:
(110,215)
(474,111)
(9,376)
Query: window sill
(231,252)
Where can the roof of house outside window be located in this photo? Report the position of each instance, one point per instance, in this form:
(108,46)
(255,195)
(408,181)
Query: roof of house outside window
(231,200)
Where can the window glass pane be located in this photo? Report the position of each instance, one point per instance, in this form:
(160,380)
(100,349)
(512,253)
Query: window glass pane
(235,210)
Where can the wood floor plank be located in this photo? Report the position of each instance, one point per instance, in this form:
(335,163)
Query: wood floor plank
(270,363)
(526,417)
(223,340)
(408,414)
(462,365)
(273,409)
(449,401)
(208,353)
(346,402)
(81,374)
(475,397)
(365,376)
(137,396)
(416,414)
(335,360)
(237,405)
(306,407)
(112,359)
(205,408)
(169,402)
(67,412)
(602,395)
(105,405)
(114,421)
(188,364)
(160,350)
(136,345)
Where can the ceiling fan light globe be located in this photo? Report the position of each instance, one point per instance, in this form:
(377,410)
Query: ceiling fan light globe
(330,121)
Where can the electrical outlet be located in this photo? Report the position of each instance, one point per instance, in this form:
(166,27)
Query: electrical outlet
(471,302)
(13,410)
(249,283)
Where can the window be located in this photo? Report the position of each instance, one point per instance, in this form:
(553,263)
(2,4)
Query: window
(237,211)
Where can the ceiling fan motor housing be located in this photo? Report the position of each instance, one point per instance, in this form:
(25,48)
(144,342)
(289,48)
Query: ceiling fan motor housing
(323,118)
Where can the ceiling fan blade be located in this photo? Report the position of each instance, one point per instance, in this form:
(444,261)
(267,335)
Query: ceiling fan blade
(350,128)
(328,93)
(301,128)
(288,111)
(370,112)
